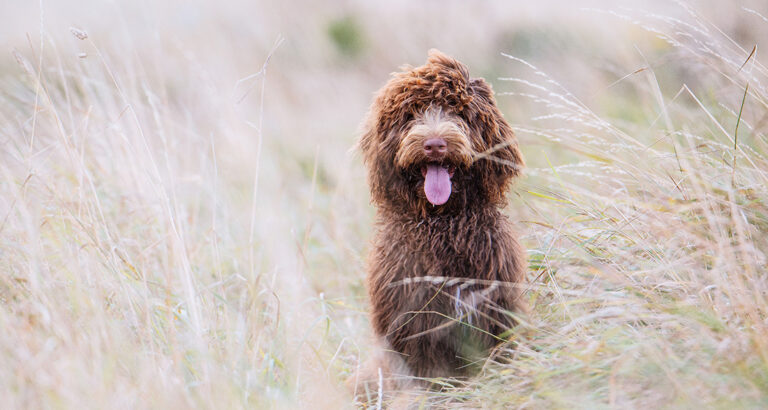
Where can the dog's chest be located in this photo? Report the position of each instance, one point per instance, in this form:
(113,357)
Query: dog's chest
(456,245)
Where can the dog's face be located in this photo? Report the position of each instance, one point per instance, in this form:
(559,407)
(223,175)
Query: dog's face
(435,142)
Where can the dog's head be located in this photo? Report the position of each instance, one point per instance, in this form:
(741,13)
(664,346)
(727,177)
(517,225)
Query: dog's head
(435,142)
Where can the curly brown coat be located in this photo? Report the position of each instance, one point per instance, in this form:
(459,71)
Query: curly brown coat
(442,279)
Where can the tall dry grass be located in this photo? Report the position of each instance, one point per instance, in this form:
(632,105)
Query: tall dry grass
(181,224)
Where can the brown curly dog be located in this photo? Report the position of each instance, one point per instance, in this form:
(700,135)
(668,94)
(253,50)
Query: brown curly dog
(445,266)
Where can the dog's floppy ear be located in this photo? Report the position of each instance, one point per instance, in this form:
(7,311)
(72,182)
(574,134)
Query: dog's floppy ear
(382,119)
(497,146)
(368,134)
(376,143)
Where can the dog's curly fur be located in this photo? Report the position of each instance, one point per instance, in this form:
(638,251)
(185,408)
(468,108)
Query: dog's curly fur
(442,279)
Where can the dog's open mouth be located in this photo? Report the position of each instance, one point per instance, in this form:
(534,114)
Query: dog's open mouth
(437,182)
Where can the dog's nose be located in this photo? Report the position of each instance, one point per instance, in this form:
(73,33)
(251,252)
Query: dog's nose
(435,148)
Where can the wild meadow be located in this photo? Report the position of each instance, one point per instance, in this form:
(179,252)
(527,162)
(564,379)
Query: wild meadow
(184,218)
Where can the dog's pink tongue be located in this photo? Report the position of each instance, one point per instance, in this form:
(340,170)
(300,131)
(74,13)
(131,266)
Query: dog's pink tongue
(437,184)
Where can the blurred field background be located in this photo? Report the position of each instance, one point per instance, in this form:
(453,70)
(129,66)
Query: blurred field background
(184,221)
